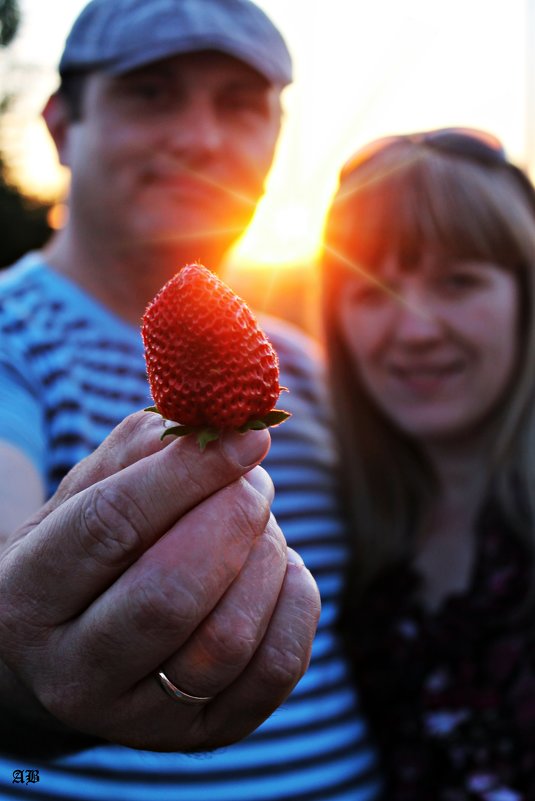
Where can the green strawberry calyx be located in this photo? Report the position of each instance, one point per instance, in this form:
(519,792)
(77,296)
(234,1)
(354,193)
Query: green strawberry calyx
(205,434)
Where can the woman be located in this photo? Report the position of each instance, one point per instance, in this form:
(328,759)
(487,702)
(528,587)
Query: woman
(429,293)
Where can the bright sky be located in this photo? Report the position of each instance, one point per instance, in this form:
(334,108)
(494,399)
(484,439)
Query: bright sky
(363,69)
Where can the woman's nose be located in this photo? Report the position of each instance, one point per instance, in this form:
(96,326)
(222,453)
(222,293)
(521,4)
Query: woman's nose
(417,319)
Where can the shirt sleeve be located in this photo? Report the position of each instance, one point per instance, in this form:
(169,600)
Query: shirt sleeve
(21,414)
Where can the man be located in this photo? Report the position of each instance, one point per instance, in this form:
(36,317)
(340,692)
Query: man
(149,561)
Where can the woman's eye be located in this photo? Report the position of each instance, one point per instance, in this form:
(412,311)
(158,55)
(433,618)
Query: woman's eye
(367,294)
(461,281)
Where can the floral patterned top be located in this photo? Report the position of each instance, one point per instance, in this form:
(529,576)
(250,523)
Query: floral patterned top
(451,694)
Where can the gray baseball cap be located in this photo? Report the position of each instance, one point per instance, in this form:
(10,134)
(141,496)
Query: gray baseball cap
(116,36)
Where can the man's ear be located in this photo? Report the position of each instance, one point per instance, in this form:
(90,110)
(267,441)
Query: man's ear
(58,121)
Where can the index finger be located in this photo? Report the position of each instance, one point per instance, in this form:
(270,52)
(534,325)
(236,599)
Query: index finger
(135,437)
(84,544)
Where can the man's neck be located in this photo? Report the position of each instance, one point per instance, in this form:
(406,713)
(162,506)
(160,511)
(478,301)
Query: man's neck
(122,279)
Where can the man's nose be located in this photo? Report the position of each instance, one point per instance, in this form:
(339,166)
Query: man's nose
(196,129)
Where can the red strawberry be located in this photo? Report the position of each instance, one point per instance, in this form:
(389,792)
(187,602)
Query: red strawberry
(210,367)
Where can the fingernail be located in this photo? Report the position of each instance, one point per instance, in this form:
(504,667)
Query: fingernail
(262,483)
(294,558)
(246,449)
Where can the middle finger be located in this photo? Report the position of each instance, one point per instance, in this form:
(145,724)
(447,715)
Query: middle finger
(223,645)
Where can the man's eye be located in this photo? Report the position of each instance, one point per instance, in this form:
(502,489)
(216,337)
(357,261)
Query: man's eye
(150,92)
(253,104)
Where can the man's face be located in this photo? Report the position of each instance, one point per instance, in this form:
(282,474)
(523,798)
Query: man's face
(175,153)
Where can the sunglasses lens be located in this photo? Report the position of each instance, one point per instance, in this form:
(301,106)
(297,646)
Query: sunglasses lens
(467,143)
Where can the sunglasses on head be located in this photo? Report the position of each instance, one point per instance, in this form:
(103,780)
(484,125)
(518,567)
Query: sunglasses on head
(471,144)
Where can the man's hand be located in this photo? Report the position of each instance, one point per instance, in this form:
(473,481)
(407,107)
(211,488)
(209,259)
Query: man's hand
(152,556)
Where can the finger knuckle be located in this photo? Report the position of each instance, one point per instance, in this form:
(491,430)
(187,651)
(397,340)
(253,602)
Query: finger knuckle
(111,526)
(131,426)
(274,535)
(158,608)
(283,667)
(178,475)
(232,641)
(250,514)
(192,483)
(67,700)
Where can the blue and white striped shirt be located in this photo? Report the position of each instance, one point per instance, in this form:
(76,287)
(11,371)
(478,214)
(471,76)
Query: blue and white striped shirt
(69,372)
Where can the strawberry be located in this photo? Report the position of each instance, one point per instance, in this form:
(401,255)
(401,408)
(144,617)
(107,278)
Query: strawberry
(210,366)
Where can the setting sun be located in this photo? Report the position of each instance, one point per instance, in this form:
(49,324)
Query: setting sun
(284,233)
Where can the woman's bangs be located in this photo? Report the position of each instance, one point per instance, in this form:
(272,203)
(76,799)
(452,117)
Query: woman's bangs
(389,212)
(427,203)
(371,220)
(468,212)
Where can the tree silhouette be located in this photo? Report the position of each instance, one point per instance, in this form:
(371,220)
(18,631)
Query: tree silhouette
(9,20)
(23,220)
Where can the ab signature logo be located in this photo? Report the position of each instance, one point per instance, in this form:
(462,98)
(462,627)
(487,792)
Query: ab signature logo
(25,776)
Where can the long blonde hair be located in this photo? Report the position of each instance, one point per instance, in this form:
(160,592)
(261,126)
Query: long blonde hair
(403,197)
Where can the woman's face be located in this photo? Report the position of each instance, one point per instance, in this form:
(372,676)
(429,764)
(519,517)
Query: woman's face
(435,345)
